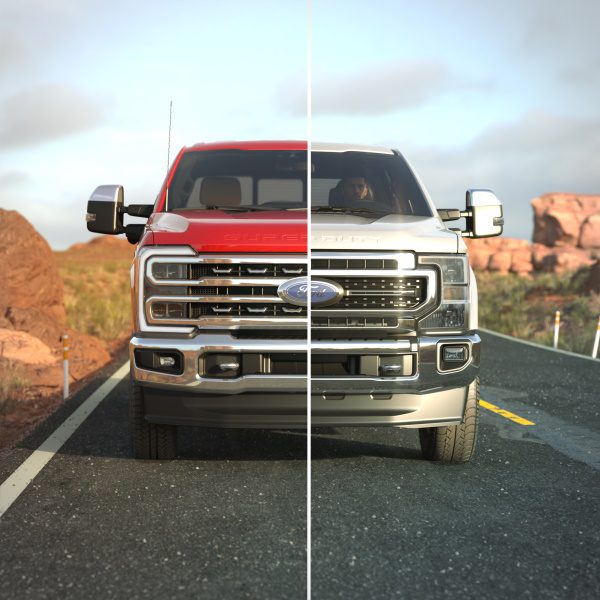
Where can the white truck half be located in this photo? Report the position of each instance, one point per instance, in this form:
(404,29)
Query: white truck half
(393,300)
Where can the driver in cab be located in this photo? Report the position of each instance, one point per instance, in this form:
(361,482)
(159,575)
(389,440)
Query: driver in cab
(351,192)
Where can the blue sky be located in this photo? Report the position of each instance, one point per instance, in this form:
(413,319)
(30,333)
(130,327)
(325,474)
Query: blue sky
(501,95)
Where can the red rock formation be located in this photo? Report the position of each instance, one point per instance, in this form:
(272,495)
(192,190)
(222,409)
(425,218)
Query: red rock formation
(589,236)
(566,238)
(32,311)
(502,255)
(567,219)
(29,279)
(592,283)
(107,246)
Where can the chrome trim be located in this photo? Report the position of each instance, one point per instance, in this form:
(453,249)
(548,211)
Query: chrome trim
(217,299)
(149,256)
(194,348)
(219,322)
(143,256)
(220,281)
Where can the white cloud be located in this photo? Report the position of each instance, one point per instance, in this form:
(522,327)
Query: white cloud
(538,154)
(45,113)
(376,89)
(14,179)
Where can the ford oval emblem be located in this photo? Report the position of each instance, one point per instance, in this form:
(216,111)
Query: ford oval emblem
(322,292)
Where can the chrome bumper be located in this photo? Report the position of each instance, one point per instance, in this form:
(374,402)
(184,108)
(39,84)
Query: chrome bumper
(193,348)
(427,377)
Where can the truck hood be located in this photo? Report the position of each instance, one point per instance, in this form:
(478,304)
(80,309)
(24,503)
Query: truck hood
(221,231)
(392,232)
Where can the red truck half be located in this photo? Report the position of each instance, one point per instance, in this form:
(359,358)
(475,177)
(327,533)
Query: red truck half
(218,292)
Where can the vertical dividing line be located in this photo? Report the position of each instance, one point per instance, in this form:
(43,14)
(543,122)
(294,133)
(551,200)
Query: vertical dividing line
(308,295)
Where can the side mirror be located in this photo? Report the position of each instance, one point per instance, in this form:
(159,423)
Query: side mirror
(483,214)
(105,210)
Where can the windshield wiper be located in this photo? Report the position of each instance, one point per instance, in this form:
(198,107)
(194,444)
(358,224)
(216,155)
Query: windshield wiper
(348,210)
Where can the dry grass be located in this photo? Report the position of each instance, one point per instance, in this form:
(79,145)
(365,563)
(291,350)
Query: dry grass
(97,296)
(12,385)
(525,307)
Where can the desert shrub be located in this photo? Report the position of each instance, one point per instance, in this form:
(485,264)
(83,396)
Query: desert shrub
(12,384)
(97,296)
(524,307)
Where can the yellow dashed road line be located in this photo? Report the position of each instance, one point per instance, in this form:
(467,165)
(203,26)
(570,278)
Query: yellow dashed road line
(505,413)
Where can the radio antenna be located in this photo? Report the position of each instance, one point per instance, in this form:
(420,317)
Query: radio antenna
(168,155)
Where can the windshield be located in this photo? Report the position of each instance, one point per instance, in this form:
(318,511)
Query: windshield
(365,183)
(239,180)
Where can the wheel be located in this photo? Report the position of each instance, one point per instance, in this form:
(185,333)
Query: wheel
(456,443)
(149,440)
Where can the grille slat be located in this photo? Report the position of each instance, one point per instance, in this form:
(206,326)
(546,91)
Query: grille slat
(367,264)
(235,292)
(201,270)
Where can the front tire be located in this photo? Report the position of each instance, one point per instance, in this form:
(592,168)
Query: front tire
(149,440)
(456,443)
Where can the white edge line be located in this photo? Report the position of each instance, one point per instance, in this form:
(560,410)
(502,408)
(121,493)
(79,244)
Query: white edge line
(528,343)
(16,483)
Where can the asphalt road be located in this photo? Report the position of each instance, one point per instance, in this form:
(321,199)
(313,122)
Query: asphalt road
(228,518)
(521,520)
(225,520)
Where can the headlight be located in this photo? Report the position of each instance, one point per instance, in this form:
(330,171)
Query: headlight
(169,310)
(162,271)
(453,268)
(454,289)
(161,283)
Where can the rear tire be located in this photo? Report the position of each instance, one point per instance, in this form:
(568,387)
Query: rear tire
(149,440)
(454,444)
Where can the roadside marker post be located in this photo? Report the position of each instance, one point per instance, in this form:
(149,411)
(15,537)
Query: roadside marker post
(596,340)
(556,328)
(65,343)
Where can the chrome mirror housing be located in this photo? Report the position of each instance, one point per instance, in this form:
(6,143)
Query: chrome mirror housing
(105,210)
(483,214)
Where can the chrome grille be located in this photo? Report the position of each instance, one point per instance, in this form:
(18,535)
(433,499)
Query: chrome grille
(226,292)
(382,291)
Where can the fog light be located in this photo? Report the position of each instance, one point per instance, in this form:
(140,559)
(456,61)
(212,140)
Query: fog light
(453,357)
(159,360)
(455,354)
(166,361)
